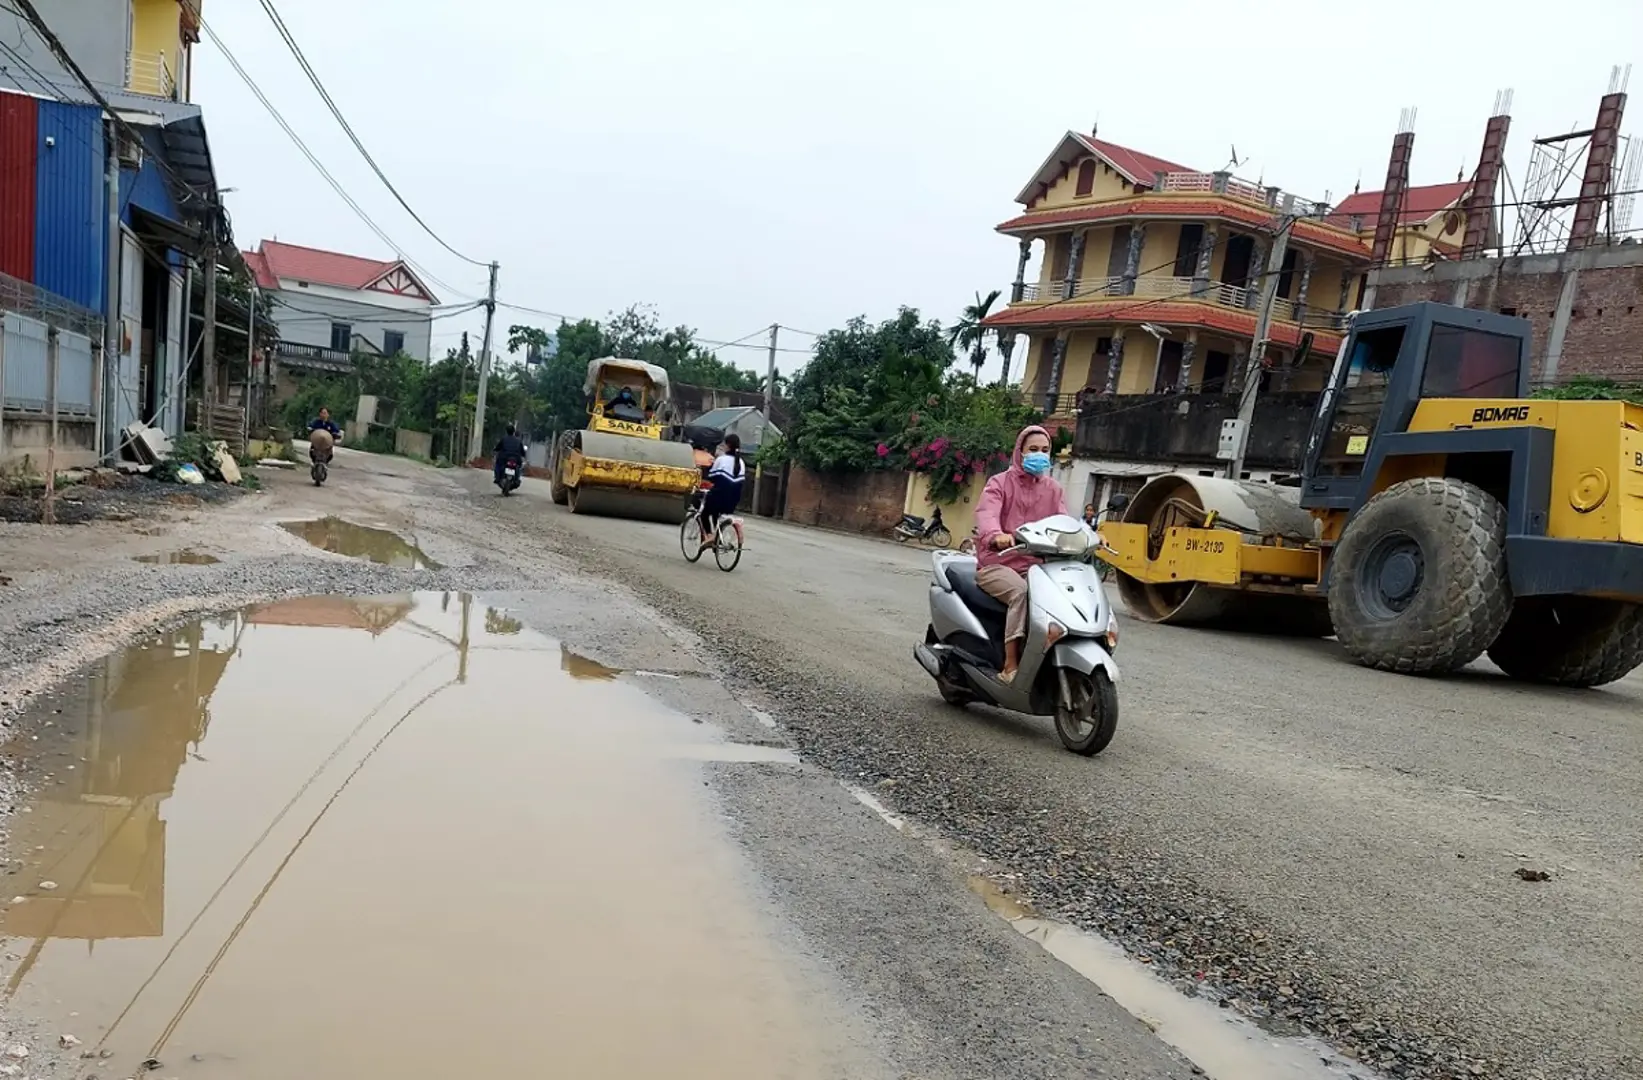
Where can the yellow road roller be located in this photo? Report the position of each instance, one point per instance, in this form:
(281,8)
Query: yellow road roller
(622,464)
(1441,514)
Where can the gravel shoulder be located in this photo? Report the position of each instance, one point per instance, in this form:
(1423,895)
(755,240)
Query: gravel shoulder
(1326,848)
(903,962)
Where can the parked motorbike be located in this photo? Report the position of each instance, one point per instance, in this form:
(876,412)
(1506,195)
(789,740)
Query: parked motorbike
(913,527)
(509,480)
(1067,669)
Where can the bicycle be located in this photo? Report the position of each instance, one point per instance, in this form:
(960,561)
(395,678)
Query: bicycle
(727,540)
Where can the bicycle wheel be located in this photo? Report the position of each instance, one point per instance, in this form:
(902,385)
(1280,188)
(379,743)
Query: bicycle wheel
(728,551)
(690,538)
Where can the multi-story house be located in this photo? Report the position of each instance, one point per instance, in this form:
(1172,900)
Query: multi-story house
(329,306)
(1143,316)
(58,261)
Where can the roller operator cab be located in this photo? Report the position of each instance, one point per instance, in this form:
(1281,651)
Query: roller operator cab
(622,464)
(1441,514)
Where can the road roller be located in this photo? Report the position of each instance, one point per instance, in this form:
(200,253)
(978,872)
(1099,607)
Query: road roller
(622,464)
(1441,514)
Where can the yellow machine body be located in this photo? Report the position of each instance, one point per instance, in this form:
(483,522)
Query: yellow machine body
(624,465)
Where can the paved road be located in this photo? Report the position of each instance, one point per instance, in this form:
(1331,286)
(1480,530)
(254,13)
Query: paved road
(1315,842)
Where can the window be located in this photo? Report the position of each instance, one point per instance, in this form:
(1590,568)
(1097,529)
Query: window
(393,342)
(1286,274)
(1186,250)
(1359,402)
(1086,178)
(1463,363)
(1119,257)
(1216,366)
(1240,253)
(342,336)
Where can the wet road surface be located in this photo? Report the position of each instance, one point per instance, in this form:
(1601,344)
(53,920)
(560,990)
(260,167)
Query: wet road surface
(345,837)
(1333,846)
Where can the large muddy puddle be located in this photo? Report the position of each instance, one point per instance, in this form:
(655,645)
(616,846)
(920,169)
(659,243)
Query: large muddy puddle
(393,837)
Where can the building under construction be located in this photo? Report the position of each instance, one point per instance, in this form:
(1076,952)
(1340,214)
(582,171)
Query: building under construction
(1553,244)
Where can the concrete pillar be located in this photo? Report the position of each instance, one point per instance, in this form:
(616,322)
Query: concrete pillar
(1257,271)
(1218,182)
(1307,260)
(1132,258)
(1058,359)
(1235,377)
(1075,266)
(1560,324)
(1206,254)
(1020,284)
(1115,360)
(1189,350)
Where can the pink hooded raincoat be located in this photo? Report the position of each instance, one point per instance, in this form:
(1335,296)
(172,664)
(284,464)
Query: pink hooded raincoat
(1010,500)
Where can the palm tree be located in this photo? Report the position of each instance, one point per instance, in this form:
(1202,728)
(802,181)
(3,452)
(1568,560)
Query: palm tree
(969,335)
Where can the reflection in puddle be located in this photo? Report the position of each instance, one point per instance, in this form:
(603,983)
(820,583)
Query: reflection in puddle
(1224,1046)
(499,622)
(578,666)
(345,538)
(178,558)
(373,810)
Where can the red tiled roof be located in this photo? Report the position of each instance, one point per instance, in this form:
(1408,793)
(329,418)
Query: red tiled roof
(1146,207)
(1419,204)
(1138,166)
(273,260)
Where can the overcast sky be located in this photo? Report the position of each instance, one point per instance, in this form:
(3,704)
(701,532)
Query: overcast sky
(737,163)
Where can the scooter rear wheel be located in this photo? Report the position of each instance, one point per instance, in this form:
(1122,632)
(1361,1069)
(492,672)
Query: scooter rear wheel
(952,693)
(1089,725)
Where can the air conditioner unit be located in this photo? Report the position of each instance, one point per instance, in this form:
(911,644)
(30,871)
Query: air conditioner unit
(130,151)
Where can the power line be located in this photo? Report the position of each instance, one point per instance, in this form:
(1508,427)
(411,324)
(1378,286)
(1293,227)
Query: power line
(313,160)
(313,77)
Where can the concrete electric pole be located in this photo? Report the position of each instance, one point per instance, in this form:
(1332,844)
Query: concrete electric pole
(1257,353)
(476,438)
(764,421)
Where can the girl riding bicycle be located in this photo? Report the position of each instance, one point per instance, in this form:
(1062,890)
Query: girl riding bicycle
(726,476)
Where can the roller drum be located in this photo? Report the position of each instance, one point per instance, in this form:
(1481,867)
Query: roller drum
(1256,510)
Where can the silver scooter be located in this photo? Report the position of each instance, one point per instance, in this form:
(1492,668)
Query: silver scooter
(1066,670)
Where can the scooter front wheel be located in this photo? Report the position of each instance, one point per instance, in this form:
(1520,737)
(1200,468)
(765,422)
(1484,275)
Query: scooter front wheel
(1088,724)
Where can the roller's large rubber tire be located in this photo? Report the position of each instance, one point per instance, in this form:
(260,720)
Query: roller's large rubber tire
(1418,584)
(559,492)
(1570,640)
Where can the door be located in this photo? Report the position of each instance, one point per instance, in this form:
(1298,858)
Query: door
(1169,366)
(128,382)
(1240,251)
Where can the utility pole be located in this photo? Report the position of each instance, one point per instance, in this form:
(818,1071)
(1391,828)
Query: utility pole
(1257,353)
(477,436)
(764,421)
(251,368)
(108,372)
(208,335)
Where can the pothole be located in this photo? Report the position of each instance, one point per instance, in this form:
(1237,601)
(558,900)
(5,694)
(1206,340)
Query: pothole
(343,537)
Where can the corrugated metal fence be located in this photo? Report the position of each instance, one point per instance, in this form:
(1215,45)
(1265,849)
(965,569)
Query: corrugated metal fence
(27,318)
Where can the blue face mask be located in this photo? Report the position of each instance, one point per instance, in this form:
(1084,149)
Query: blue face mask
(1036,464)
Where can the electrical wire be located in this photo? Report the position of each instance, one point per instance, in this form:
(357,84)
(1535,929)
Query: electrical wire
(279,118)
(313,77)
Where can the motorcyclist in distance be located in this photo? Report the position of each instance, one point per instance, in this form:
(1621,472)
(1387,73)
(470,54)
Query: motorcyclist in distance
(509,445)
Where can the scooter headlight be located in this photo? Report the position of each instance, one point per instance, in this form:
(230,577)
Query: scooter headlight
(1072,543)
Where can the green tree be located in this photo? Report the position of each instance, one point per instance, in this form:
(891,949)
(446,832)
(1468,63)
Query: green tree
(968,335)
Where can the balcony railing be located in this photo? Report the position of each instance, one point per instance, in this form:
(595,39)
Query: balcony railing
(1191,183)
(150,75)
(1158,288)
(1064,404)
(297,355)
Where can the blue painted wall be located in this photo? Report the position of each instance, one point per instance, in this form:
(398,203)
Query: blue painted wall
(69,216)
(147,186)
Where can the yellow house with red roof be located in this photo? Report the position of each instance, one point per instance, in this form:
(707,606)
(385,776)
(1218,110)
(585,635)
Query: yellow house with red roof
(1150,273)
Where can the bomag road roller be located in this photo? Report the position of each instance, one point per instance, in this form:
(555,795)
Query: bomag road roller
(1441,514)
(622,464)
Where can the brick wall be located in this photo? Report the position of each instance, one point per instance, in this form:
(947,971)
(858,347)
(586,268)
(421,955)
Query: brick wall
(1605,322)
(869,502)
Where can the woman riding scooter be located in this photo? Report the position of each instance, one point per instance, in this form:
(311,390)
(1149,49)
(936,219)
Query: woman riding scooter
(1023,493)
